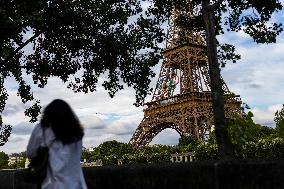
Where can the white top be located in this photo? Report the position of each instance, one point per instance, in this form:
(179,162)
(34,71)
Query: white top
(64,171)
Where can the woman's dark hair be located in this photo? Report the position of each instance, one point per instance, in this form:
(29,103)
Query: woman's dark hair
(59,116)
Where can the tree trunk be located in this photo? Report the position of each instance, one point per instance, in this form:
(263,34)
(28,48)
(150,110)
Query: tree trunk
(223,141)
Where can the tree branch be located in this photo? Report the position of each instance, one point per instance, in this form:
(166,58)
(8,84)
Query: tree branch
(215,5)
(23,45)
(27,42)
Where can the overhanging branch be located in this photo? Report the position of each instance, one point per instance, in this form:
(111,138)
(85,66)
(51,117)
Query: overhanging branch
(214,6)
(27,42)
(22,46)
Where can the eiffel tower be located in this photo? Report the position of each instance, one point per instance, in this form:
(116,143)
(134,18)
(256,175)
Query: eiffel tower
(182,97)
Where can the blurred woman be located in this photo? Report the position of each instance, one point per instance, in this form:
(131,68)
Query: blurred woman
(59,130)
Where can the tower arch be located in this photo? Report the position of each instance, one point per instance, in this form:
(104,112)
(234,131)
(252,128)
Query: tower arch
(152,131)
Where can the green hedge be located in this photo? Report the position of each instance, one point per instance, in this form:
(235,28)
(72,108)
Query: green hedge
(206,152)
(263,148)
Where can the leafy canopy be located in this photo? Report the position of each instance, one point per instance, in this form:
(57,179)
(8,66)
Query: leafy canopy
(4,159)
(279,121)
(77,41)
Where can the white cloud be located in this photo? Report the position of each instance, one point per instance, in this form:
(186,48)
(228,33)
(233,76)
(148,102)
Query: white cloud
(258,76)
(103,118)
(266,116)
(126,125)
(17,139)
(92,122)
(17,143)
(23,128)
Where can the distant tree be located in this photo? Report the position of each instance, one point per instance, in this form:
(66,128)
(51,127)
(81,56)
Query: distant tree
(243,130)
(210,18)
(86,155)
(20,163)
(264,148)
(150,154)
(279,120)
(206,152)
(187,143)
(3,160)
(110,151)
(250,140)
(159,149)
(267,132)
(114,147)
(212,139)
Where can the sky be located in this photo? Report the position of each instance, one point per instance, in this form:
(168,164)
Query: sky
(258,78)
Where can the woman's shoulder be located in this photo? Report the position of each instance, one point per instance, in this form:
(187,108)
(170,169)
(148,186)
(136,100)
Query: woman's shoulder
(46,133)
(37,129)
(76,144)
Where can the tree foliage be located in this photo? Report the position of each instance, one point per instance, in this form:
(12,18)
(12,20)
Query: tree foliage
(263,148)
(187,143)
(250,140)
(243,130)
(111,151)
(20,164)
(3,160)
(77,41)
(279,121)
(5,131)
(267,147)
(206,152)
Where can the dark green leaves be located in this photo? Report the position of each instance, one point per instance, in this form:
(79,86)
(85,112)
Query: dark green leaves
(33,111)
(279,120)
(226,52)
(5,131)
(85,38)
(253,16)
(261,33)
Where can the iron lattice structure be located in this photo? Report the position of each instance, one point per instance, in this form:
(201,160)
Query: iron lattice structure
(182,98)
